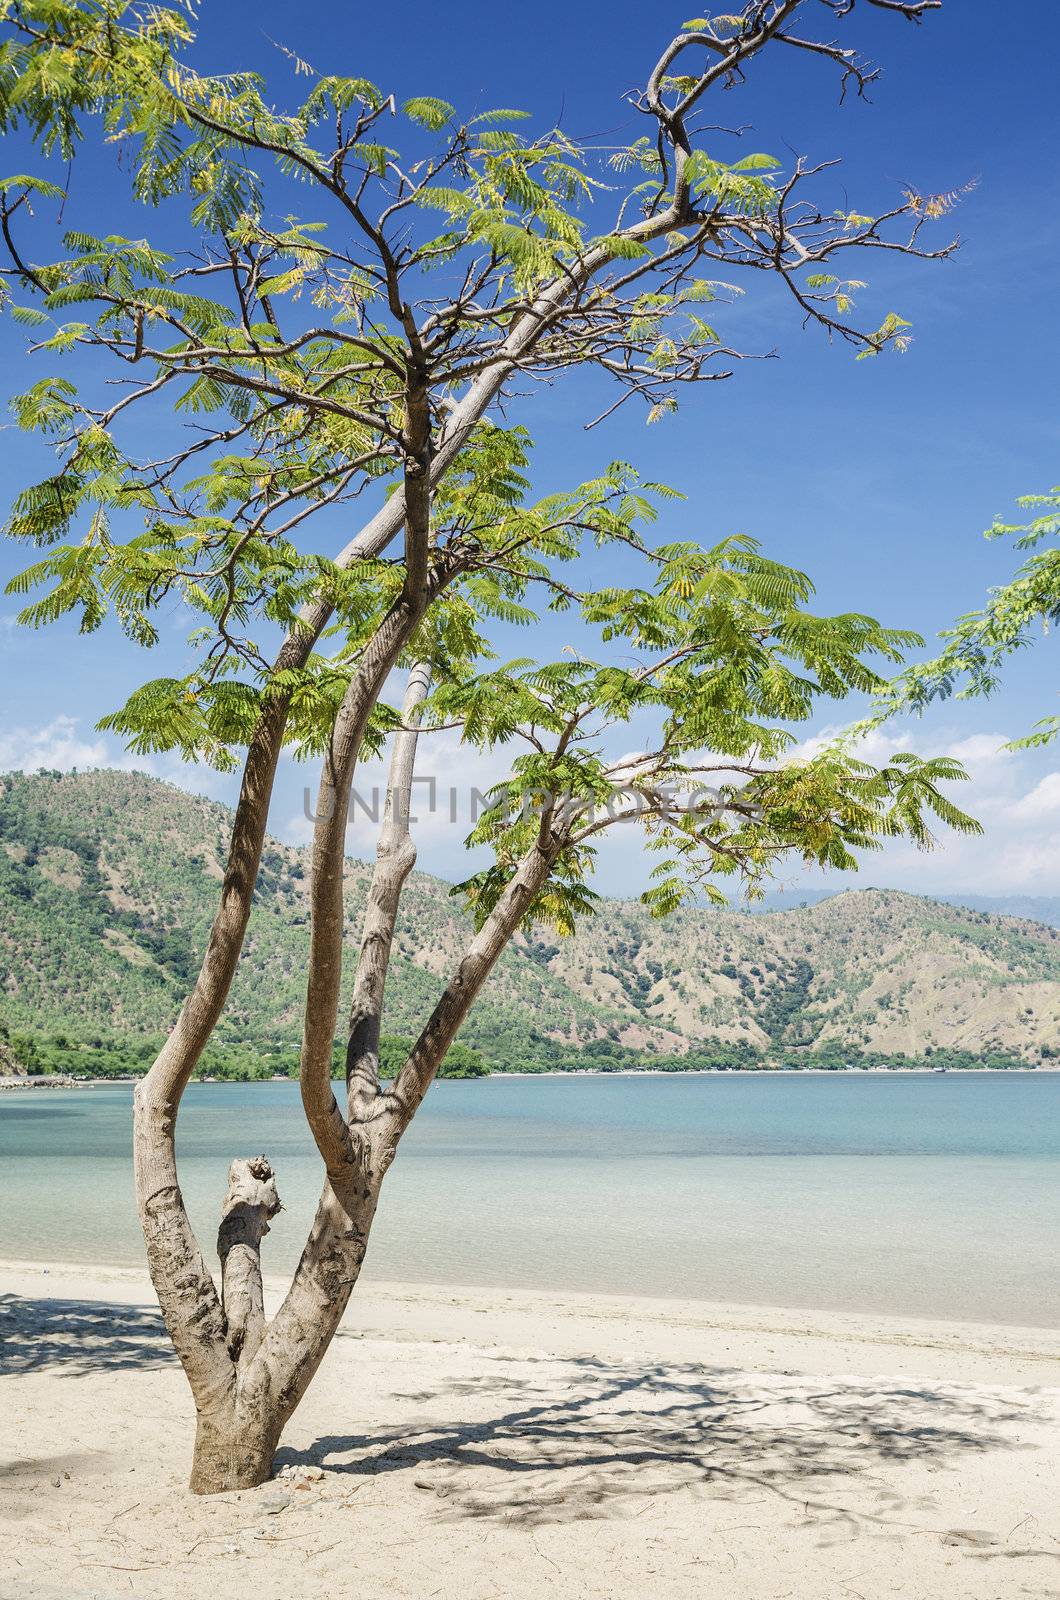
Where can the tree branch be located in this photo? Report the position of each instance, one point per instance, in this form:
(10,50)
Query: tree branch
(395,858)
(250,1205)
(463,988)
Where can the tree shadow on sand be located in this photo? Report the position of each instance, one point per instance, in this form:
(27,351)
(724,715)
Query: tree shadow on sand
(76,1337)
(531,1441)
(603,1438)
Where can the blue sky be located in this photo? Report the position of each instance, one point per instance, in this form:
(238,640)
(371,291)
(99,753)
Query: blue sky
(877,477)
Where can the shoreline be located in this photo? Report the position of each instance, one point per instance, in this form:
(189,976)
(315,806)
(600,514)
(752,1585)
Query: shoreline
(816,1322)
(466,1442)
(63,1081)
(456,1308)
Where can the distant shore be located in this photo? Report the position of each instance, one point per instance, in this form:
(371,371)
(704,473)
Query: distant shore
(463,1433)
(63,1081)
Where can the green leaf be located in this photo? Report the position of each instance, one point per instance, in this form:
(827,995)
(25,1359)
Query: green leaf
(428,112)
(756,163)
(499,116)
(51,191)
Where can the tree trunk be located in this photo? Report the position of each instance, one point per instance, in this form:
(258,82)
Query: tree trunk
(232,1450)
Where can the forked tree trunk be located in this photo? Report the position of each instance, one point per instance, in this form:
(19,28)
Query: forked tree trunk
(246,1376)
(255,1375)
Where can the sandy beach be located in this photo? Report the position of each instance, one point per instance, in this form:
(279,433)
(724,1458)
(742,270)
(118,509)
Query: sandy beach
(475,1443)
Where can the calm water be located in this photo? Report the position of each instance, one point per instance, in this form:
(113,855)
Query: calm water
(920,1195)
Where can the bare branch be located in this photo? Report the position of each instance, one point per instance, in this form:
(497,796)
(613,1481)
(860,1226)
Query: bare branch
(395,859)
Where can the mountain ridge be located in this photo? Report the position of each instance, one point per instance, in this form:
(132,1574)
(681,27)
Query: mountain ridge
(108,882)
(1044,909)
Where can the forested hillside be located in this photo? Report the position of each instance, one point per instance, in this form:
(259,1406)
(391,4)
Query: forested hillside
(108,882)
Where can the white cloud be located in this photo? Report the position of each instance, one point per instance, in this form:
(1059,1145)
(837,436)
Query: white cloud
(979,750)
(60,747)
(1006,791)
(983,751)
(1042,801)
(1014,795)
(296,830)
(57,745)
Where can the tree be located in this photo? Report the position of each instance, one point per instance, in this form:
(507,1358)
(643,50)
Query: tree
(978,644)
(369,355)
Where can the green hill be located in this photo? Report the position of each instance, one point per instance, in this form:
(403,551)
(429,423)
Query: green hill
(108,883)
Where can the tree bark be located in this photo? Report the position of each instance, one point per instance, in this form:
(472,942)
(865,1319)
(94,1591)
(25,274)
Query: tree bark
(250,1204)
(395,859)
(233,1449)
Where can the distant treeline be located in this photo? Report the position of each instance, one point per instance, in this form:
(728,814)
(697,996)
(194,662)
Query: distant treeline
(241,1062)
(605,1055)
(233,1061)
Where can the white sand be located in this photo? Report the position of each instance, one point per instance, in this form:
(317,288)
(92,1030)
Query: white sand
(479,1443)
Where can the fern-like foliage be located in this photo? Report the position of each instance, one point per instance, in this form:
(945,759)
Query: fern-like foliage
(976,648)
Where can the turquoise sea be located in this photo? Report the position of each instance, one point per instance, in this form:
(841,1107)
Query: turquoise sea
(914,1194)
